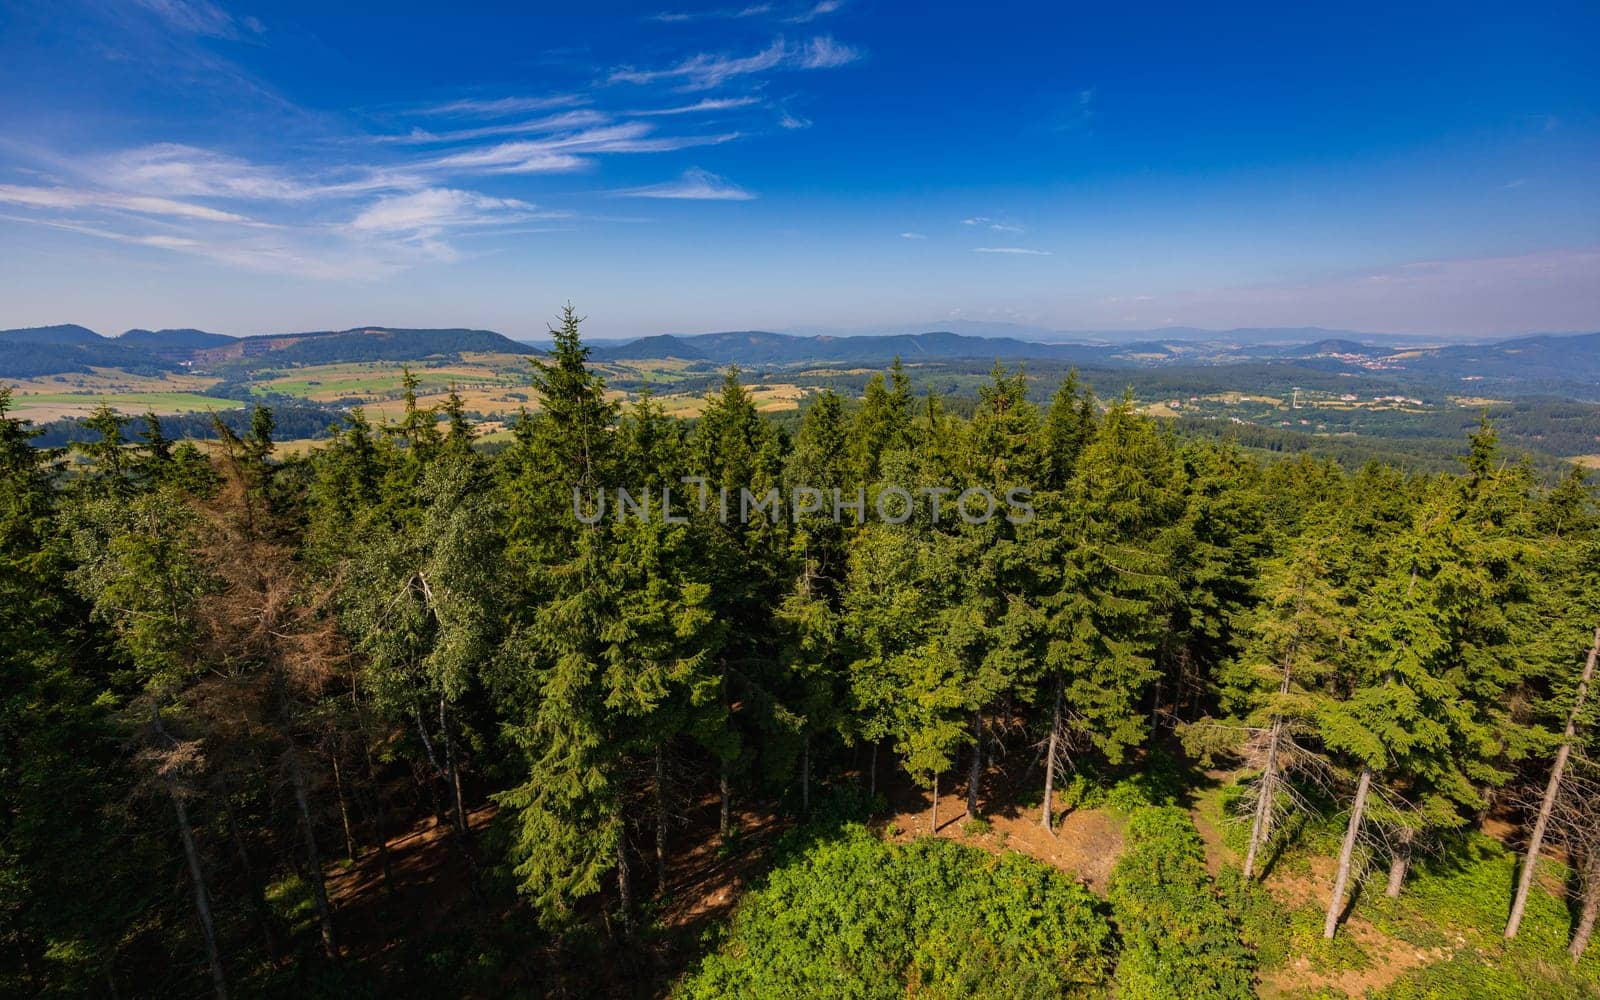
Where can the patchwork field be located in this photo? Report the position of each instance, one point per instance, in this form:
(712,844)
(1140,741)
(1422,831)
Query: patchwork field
(52,397)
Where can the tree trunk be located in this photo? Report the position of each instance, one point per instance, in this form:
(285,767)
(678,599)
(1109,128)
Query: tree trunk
(1536,842)
(258,892)
(1399,865)
(434,771)
(453,771)
(977,763)
(805,777)
(1050,763)
(872,771)
(933,819)
(725,820)
(319,889)
(344,809)
(202,901)
(380,826)
(624,880)
(661,822)
(1336,903)
(1591,907)
(1261,829)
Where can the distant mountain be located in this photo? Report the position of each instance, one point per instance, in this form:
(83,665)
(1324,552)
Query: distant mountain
(663,345)
(68,333)
(763,347)
(1542,357)
(1251,336)
(50,350)
(173,340)
(59,349)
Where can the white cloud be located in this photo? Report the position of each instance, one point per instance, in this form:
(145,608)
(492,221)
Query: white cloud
(913,236)
(186,171)
(74,199)
(474,107)
(1013,250)
(705,71)
(976,220)
(825,53)
(438,208)
(1006,227)
(694,185)
(709,104)
(823,8)
(551,123)
(791,122)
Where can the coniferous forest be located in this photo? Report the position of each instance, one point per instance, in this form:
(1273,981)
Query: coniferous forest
(397,717)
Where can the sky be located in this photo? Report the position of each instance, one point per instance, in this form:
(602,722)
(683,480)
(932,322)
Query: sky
(252,167)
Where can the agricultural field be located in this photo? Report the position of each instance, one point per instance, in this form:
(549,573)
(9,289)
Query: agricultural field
(53,397)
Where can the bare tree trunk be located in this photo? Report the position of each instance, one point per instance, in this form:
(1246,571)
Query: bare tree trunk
(933,820)
(624,880)
(1346,852)
(344,808)
(202,900)
(433,769)
(661,821)
(1536,842)
(1261,829)
(319,889)
(452,770)
(1399,865)
(805,777)
(725,821)
(977,763)
(1591,907)
(872,771)
(1050,763)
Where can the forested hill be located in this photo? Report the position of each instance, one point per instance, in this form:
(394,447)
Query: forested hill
(1528,361)
(25,353)
(398,717)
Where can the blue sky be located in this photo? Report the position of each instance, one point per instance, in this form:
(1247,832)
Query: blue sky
(252,166)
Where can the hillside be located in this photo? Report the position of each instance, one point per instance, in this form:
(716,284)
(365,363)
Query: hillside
(52,350)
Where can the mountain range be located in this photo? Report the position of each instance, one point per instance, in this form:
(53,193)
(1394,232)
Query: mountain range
(1546,359)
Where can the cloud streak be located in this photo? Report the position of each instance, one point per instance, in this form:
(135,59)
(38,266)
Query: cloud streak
(706,71)
(1022,251)
(694,185)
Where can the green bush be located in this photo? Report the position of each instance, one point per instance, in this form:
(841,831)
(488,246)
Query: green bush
(851,916)
(1178,939)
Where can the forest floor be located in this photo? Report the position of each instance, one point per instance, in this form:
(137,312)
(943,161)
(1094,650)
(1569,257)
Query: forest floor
(706,879)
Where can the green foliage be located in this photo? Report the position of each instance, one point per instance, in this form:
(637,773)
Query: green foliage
(851,916)
(1179,940)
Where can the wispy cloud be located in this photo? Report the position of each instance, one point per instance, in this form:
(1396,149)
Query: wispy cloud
(74,199)
(1079,112)
(1013,250)
(913,236)
(819,10)
(694,185)
(550,123)
(434,209)
(995,225)
(708,105)
(727,13)
(497,107)
(199,17)
(792,122)
(705,71)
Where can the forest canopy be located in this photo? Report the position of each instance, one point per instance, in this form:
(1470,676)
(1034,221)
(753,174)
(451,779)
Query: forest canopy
(233,675)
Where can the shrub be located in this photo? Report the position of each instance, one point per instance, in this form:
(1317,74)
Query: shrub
(1179,940)
(852,916)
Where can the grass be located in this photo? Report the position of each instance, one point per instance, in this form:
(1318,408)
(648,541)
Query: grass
(34,405)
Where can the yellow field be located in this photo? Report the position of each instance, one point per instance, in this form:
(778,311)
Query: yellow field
(52,397)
